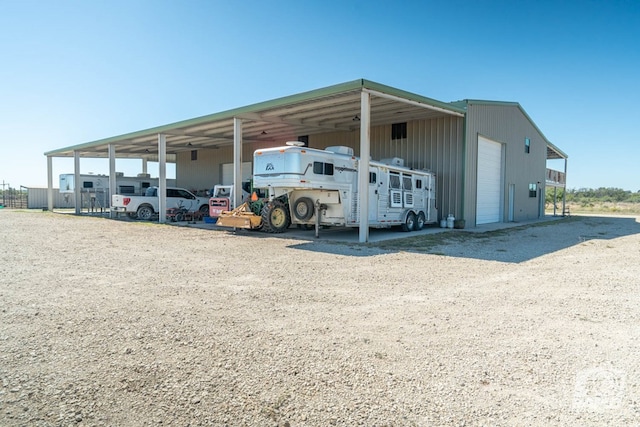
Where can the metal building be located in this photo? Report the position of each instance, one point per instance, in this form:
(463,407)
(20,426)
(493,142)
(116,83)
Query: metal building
(489,157)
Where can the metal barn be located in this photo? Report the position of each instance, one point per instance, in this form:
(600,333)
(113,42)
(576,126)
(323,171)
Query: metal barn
(489,157)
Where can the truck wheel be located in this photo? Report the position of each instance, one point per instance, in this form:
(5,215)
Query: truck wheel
(145,212)
(420,221)
(409,222)
(303,208)
(275,217)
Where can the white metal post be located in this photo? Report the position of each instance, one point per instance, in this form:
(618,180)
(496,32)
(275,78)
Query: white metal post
(564,193)
(237,162)
(50,183)
(76,178)
(144,165)
(363,173)
(162,179)
(112,176)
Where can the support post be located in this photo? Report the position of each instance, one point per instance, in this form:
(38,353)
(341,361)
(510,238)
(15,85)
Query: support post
(564,193)
(363,171)
(76,179)
(144,165)
(237,162)
(112,176)
(162,179)
(50,183)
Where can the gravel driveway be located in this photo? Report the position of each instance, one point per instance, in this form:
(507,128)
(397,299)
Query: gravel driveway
(113,323)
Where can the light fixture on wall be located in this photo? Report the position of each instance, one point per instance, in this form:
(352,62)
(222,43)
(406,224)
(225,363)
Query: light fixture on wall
(356,118)
(189,145)
(146,150)
(264,132)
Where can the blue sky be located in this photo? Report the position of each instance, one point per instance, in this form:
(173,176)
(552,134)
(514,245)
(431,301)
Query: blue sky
(78,71)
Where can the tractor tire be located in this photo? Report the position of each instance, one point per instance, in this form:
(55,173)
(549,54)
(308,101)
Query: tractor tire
(303,208)
(420,221)
(409,222)
(145,212)
(275,217)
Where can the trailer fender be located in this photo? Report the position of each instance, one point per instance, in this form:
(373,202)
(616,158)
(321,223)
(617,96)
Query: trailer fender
(303,208)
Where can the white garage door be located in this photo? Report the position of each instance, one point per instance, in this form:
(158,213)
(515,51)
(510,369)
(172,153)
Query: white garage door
(227,173)
(489,181)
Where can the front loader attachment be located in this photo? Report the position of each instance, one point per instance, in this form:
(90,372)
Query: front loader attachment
(240,217)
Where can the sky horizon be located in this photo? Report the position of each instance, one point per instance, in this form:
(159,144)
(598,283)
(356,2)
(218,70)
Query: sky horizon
(82,71)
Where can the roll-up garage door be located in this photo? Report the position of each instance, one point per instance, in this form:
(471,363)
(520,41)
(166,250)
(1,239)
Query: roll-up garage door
(227,173)
(489,181)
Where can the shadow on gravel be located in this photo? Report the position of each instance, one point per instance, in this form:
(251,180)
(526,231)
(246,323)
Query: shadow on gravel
(513,245)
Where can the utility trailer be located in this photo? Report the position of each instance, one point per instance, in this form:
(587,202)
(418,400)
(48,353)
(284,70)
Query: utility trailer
(308,187)
(94,188)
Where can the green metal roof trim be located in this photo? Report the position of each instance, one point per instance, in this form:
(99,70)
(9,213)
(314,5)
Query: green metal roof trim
(514,104)
(355,85)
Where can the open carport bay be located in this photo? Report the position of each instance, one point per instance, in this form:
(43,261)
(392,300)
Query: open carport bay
(127,323)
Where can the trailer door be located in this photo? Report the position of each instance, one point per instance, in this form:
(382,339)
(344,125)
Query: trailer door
(374,193)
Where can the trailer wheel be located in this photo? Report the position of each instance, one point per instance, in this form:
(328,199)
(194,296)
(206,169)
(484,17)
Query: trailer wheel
(303,208)
(204,210)
(275,217)
(420,221)
(409,222)
(145,212)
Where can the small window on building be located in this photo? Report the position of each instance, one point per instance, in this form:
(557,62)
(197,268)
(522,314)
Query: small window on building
(399,130)
(418,184)
(533,190)
(372,178)
(394,180)
(87,184)
(194,154)
(304,139)
(527,145)
(145,185)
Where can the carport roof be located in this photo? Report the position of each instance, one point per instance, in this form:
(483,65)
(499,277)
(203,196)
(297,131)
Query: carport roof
(333,108)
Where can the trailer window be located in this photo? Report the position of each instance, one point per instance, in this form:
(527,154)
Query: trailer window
(394,180)
(320,168)
(372,178)
(406,182)
(127,189)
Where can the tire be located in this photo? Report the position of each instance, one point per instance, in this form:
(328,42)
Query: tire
(409,222)
(204,210)
(145,212)
(420,221)
(303,208)
(132,215)
(178,217)
(275,217)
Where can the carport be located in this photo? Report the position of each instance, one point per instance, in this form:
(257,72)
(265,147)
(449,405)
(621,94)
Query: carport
(351,106)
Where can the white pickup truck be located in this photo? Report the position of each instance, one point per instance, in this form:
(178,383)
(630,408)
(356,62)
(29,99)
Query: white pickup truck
(145,207)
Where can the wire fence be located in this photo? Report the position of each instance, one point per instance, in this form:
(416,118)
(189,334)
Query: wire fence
(14,198)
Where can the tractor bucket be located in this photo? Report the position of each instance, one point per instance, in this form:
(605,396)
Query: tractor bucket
(240,217)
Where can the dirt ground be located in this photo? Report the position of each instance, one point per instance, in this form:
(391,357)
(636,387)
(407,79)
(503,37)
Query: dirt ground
(114,323)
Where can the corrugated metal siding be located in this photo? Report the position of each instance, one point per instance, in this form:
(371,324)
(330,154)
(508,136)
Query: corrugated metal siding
(436,145)
(37,198)
(509,126)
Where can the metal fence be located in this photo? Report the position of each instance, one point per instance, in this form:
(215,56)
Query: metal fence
(14,198)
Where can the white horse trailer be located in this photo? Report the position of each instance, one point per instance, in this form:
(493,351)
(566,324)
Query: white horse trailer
(325,182)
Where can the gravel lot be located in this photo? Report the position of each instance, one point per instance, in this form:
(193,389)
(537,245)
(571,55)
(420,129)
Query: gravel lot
(114,323)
